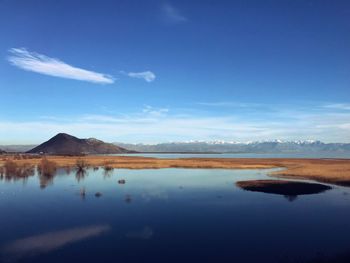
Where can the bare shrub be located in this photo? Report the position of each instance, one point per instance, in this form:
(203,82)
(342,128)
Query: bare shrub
(81,164)
(25,170)
(108,166)
(47,167)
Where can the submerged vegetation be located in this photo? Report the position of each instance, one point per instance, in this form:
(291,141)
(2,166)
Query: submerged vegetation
(13,171)
(81,165)
(81,169)
(46,170)
(108,166)
(47,167)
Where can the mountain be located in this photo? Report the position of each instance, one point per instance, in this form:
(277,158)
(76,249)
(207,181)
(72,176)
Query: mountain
(64,143)
(2,152)
(16,148)
(276,146)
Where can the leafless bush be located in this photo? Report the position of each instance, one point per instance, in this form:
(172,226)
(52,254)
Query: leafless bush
(47,167)
(108,166)
(25,170)
(2,172)
(81,165)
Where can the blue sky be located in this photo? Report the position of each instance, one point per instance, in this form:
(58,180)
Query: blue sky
(157,71)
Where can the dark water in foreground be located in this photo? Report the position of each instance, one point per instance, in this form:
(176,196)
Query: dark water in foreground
(167,215)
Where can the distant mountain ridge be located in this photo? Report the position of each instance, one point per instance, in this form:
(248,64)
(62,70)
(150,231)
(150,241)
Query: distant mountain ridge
(17,148)
(275,146)
(64,143)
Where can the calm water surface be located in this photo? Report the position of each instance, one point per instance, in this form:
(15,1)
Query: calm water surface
(167,215)
(239,155)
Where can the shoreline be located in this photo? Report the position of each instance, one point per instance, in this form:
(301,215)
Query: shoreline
(333,171)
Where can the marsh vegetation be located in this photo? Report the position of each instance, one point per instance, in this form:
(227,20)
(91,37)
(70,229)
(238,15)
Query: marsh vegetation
(335,171)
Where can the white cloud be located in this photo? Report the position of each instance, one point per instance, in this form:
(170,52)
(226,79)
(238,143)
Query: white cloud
(155,112)
(158,124)
(338,106)
(172,14)
(32,61)
(148,76)
(161,125)
(229,104)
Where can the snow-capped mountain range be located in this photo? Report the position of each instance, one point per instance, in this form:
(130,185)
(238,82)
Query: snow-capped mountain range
(269,146)
(220,146)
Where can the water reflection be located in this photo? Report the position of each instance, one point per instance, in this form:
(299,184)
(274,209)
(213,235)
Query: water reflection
(145,233)
(82,193)
(45,180)
(159,209)
(43,243)
(289,189)
(11,171)
(128,199)
(80,174)
(108,169)
(46,172)
(291,198)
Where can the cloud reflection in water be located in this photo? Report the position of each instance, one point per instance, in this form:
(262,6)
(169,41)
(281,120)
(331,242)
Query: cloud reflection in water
(43,243)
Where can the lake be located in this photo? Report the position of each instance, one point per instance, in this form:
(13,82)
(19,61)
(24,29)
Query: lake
(167,215)
(239,155)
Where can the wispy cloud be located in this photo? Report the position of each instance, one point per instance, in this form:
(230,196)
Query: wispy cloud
(155,112)
(228,104)
(148,76)
(172,14)
(338,106)
(157,124)
(32,61)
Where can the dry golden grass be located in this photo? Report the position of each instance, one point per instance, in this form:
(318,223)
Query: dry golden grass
(336,171)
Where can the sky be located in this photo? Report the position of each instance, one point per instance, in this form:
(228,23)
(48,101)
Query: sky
(159,71)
